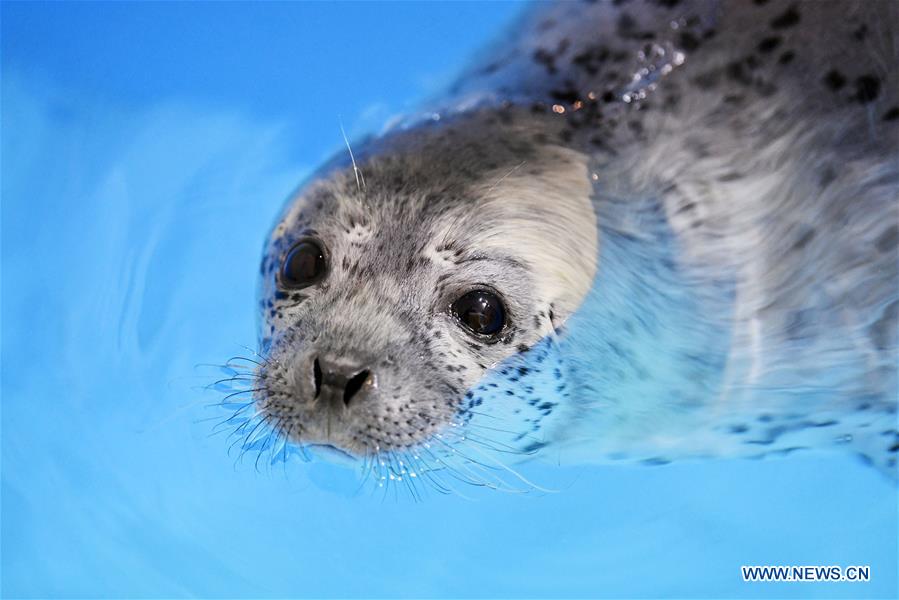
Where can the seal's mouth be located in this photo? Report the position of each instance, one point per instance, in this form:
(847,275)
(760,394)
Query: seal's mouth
(423,438)
(346,405)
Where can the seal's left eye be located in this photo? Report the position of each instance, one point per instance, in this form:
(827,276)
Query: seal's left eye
(481,312)
(303,265)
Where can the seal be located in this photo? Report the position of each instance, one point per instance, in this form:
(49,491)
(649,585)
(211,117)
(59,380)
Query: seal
(636,231)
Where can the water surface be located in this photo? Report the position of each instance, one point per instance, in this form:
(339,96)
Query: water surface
(146,149)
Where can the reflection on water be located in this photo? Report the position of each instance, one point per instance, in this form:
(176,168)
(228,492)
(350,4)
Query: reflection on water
(130,248)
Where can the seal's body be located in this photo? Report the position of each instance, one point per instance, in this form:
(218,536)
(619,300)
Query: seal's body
(638,231)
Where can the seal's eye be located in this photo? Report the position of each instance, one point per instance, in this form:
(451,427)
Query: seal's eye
(303,265)
(480,311)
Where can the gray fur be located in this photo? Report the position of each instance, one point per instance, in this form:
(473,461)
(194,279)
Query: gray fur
(743,163)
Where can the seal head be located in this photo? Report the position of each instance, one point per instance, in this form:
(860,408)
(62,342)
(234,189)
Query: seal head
(390,286)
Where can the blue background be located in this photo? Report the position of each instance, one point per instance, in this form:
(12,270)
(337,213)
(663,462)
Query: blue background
(146,149)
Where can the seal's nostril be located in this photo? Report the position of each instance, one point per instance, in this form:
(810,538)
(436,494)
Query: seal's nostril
(317,377)
(354,385)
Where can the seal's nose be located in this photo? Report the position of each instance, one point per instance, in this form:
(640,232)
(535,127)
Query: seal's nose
(336,382)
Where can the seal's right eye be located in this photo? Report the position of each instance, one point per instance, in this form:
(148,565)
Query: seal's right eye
(303,266)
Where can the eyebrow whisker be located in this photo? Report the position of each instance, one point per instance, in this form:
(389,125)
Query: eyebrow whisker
(360,179)
(500,180)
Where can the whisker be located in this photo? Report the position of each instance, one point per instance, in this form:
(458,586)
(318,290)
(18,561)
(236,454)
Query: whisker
(399,472)
(266,360)
(223,403)
(469,464)
(515,473)
(493,471)
(220,386)
(367,468)
(360,180)
(489,444)
(453,471)
(244,358)
(500,180)
(422,470)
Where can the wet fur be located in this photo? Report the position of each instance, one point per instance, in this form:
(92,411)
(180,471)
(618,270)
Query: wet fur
(737,295)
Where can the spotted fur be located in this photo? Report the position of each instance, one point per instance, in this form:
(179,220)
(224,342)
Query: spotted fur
(690,209)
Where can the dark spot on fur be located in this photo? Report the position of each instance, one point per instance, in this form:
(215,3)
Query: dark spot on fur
(887,241)
(688,41)
(766,442)
(787,57)
(834,80)
(883,330)
(626,25)
(867,88)
(892,114)
(803,240)
(707,80)
(787,19)
(686,207)
(546,25)
(768,44)
(732,176)
(545,58)
(736,71)
(534,446)
(568,96)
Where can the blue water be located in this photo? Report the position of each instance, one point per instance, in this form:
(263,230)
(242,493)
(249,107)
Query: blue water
(146,149)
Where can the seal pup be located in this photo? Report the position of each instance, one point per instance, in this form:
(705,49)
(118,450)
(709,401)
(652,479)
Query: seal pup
(636,231)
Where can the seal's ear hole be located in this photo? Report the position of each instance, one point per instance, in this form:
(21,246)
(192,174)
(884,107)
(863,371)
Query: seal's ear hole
(480,311)
(303,266)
